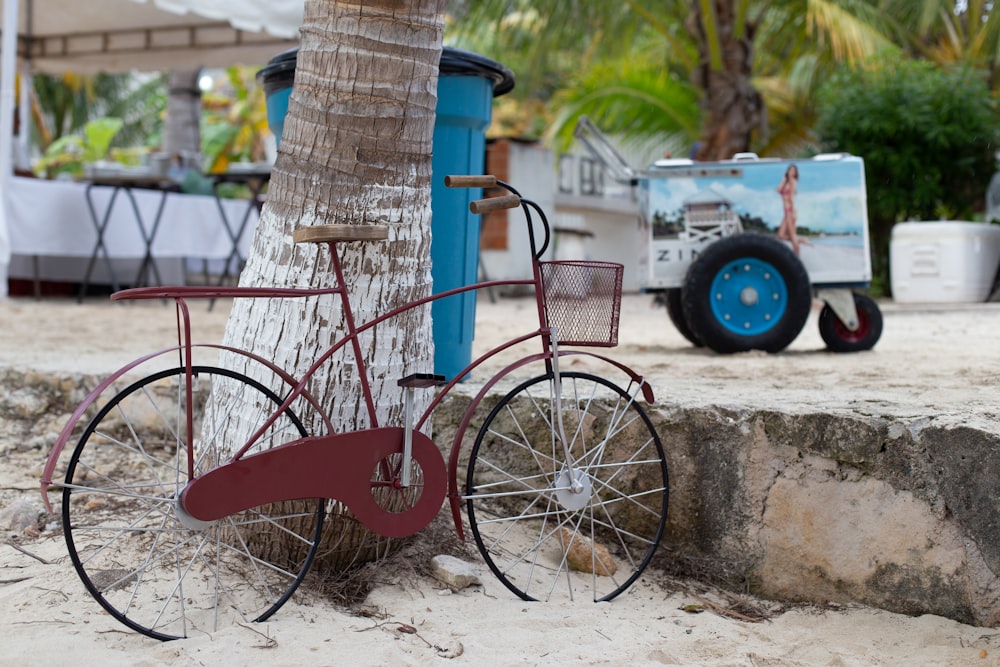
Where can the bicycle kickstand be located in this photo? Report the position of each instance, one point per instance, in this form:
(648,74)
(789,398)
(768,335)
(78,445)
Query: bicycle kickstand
(409,383)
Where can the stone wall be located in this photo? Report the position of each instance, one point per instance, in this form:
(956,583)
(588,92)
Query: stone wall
(897,514)
(901,514)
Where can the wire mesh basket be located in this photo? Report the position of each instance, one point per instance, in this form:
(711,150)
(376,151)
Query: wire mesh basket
(583,301)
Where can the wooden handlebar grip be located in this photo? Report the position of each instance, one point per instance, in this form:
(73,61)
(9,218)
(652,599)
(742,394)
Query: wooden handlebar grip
(470,181)
(495,204)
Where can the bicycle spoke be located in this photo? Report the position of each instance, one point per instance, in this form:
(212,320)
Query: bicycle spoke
(556,528)
(152,567)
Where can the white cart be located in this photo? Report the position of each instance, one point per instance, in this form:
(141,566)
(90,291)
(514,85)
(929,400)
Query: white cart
(740,253)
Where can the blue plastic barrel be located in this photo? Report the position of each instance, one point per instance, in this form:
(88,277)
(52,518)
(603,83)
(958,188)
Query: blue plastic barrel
(467,84)
(276,79)
(466,87)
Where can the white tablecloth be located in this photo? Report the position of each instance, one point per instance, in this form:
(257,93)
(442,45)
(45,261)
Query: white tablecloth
(50,220)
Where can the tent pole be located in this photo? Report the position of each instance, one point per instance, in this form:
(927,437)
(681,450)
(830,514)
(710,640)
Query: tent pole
(8,75)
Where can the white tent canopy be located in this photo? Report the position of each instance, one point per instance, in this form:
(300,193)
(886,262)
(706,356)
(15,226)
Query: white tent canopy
(87,36)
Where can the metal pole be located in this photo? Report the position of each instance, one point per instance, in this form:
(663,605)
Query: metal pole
(8,75)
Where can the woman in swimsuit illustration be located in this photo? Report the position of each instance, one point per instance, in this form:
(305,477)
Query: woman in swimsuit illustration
(788,188)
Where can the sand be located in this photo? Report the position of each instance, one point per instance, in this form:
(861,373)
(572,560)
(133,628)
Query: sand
(939,362)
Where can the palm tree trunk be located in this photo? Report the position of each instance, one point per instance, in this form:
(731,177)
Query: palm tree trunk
(732,106)
(356,149)
(182,128)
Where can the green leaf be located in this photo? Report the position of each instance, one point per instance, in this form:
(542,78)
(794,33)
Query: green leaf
(98,135)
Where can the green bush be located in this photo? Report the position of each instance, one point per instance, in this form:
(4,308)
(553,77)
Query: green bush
(69,153)
(928,136)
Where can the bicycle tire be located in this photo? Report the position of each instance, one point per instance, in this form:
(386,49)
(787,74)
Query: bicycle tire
(525,521)
(153,568)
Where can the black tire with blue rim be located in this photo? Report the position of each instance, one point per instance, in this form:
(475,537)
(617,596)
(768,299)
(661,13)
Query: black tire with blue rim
(675,309)
(747,292)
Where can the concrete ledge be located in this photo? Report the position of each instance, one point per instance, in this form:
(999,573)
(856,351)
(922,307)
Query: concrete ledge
(896,513)
(900,515)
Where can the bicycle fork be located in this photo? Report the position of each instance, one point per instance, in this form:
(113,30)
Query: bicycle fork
(576,486)
(557,393)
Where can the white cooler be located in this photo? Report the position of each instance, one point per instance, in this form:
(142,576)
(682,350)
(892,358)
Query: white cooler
(943,262)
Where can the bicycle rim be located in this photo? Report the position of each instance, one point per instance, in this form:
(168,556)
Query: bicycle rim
(558,528)
(152,567)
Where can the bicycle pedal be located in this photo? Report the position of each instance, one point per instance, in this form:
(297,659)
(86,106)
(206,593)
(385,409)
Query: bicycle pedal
(418,380)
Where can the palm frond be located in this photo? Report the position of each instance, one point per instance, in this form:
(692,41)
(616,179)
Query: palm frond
(643,102)
(853,31)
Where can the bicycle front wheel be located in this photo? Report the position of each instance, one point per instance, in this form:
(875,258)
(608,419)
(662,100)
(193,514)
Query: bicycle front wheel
(152,566)
(560,519)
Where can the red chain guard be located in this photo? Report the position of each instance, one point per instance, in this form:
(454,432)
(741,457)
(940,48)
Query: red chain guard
(332,466)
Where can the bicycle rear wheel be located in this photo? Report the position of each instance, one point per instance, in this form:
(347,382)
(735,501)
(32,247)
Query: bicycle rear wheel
(152,566)
(553,527)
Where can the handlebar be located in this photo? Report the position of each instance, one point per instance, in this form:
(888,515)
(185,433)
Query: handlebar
(495,204)
(513,200)
(484,181)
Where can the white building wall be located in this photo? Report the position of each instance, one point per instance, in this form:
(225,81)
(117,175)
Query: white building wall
(574,191)
(532,172)
(609,210)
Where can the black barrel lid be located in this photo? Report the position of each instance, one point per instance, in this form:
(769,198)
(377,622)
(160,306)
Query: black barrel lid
(458,61)
(454,62)
(282,62)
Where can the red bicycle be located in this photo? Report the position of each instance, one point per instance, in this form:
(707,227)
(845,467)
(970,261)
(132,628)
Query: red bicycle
(195,496)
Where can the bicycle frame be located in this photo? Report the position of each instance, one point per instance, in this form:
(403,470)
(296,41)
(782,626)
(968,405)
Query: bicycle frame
(549,355)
